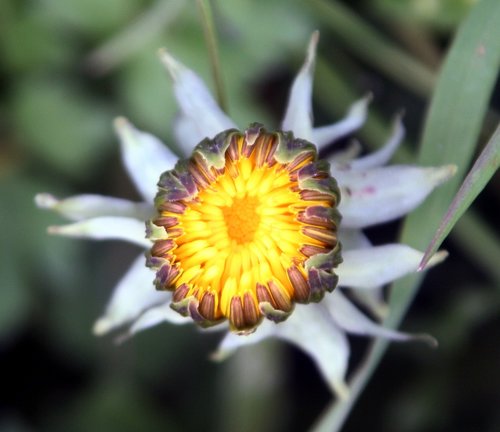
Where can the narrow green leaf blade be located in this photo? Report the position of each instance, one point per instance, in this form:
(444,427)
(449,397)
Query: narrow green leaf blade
(482,171)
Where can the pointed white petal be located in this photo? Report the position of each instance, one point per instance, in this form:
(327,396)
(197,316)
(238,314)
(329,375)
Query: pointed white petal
(186,134)
(353,239)
(382,194)
(133,295)
(352,320)
(144,156)
(87,206)
(233,341)
(311,329)
(105,228)
(371,267)
(354,119)
(343,157)
(195,101)
(157,315)
(382,156)
(372,300)
(298,116)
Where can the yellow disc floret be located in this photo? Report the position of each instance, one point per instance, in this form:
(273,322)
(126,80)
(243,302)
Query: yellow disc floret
(245,220)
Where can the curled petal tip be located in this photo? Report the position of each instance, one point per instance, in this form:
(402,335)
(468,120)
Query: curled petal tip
(120,123)
(120,339)
(360,107)
(54,229)
(311,53)
(398,117)
(172,65)
(313,43)
(45,200)
(342,390)
(101,327)
(437,258)
(431,341)
(444,173)
(218,356)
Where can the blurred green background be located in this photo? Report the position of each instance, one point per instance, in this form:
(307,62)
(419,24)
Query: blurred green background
(67,68)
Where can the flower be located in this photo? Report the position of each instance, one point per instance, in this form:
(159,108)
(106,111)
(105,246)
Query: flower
(246,227)
(371,194)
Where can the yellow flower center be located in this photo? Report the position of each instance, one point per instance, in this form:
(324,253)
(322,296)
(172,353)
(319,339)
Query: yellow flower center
(242,219)
(241,238)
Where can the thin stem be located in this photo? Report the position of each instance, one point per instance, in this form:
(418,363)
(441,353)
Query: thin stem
(213,52)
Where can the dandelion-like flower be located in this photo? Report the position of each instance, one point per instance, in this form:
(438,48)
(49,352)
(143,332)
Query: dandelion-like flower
(246,227)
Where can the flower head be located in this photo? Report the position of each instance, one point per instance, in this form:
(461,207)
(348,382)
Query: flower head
(248,225)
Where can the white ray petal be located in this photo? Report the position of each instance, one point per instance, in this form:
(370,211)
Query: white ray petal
(105,228)
(87,206)
(384,154)
(372,300)
(353,238)
(232,341)
(156,315)
(344,156)
(311,328)
(133,295)
(195,101)
(369,268)
(144,156)
(382,194)
(186,134)
(355,118)
(352,320)
(298,115)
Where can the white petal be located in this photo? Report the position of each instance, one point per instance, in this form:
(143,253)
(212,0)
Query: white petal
(371,267)
(354,119)
(350,319)
(311,328)
(344,156)
(186,134)
(233,341)
(157,315)
(372,300)
(144,156)
(382,194)
(353,238)
(298,116)
(195,101)
(383,155)
(87,206)
(133,295)
(105,228)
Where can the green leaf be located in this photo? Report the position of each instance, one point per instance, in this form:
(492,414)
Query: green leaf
(482,171)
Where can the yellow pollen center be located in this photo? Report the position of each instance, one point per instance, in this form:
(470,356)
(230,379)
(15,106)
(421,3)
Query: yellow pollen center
(242,219)
(243,238)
